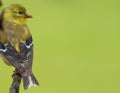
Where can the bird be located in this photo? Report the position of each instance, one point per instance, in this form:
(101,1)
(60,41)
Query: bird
(16,42)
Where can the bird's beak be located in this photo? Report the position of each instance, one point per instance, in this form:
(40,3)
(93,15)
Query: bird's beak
(27,15)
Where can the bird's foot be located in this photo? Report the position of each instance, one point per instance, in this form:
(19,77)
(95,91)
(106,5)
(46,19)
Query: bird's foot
(16,72)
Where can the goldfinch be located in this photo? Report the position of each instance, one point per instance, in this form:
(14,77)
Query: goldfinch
(16,44)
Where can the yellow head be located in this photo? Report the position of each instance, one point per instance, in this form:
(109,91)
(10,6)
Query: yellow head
(16,13)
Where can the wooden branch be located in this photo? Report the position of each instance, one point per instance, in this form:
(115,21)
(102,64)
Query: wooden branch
(15,84)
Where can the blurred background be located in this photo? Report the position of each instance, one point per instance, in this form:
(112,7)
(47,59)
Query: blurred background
(76,45)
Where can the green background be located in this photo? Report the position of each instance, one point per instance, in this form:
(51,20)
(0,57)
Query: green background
(77,46)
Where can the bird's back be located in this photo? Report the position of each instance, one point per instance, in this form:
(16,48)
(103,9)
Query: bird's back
(14,33)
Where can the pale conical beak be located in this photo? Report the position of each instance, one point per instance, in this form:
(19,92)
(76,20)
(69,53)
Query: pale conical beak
(27,15)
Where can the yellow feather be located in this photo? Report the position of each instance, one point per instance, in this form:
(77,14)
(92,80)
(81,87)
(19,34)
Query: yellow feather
(17,48)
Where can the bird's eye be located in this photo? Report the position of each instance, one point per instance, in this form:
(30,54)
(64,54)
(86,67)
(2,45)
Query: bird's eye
(20,12)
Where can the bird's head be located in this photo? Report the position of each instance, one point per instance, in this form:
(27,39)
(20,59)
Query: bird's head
(16,13)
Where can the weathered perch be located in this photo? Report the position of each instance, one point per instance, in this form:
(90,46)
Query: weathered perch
(15,84)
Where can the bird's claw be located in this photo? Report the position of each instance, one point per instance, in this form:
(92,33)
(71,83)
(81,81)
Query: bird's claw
(16,72)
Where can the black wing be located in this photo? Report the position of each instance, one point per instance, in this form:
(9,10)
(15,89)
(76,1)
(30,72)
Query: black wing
(26,52)
(23,60)
(9,53)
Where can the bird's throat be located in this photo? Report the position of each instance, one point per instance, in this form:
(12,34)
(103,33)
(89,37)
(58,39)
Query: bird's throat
(19,21)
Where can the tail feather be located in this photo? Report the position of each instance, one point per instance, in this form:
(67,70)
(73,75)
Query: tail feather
(30,81)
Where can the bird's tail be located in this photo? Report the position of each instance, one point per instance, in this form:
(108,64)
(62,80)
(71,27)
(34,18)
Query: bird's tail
(29,81)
